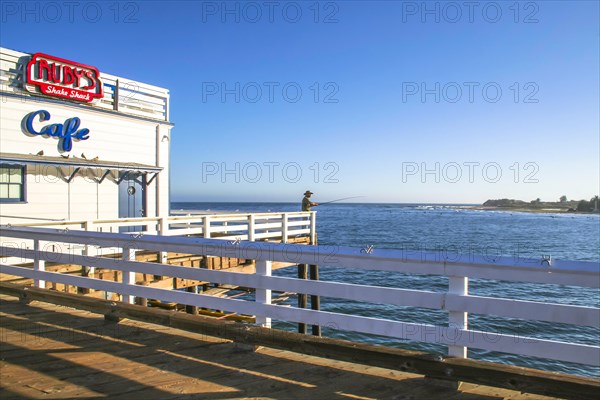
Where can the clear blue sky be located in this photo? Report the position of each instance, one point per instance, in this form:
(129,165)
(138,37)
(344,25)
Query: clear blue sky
(399,101)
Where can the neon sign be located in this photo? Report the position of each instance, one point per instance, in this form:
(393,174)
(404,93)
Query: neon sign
(66,132)
(62,78)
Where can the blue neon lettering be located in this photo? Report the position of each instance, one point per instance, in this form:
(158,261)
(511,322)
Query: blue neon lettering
(66,132)
(44,116)
(54,130)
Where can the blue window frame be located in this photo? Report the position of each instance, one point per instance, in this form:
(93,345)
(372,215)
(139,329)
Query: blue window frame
(12,183)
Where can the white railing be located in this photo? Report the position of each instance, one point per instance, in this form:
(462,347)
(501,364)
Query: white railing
(134,98)
(285,227)
(456,301)
(245,226)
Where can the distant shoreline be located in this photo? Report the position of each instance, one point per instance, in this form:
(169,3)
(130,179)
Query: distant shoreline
(529,210)
(183,206)
(538,206)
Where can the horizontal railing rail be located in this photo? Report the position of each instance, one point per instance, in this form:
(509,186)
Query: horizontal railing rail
(246,226)
(456,301)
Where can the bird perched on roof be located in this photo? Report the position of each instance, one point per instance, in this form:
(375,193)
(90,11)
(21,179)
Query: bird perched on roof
(40,153)
(83,156)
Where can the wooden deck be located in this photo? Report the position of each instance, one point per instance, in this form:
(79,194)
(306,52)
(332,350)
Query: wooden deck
(50,352)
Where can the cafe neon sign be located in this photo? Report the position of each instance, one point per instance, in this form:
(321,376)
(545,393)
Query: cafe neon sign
(65,132)
(62,78)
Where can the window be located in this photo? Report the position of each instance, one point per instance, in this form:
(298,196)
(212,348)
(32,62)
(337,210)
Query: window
(12,183)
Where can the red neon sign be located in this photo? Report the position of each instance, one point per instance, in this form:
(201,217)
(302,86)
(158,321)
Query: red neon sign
(63,78)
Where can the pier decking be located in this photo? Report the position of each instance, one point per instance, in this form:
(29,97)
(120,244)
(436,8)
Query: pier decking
(51,352)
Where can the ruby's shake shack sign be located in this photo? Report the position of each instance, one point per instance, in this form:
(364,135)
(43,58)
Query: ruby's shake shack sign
(66,79)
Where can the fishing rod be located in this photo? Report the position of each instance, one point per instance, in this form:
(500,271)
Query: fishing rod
(345,198)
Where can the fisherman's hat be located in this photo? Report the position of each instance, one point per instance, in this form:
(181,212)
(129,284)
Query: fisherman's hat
(308,192)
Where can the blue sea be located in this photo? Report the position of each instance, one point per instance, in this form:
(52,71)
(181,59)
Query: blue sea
(452,228)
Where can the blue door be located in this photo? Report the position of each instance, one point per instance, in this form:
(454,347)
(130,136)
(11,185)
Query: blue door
(132,198)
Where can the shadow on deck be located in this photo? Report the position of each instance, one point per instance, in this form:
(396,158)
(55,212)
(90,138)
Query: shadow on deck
(51,351)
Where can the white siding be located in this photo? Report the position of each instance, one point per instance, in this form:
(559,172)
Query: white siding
(111,137)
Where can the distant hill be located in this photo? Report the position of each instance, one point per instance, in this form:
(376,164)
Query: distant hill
(505,203)
(564,205)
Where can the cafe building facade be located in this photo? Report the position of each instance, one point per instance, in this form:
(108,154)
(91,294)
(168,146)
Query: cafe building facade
(79,144)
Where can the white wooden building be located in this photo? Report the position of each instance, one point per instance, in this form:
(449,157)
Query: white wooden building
(79,144)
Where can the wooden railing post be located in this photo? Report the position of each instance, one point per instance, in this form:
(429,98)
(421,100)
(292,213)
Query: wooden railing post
(263,296)
(284,228)
(313,227)
(315,301)
(251,223)
(191,309)
(206,227)
(38,265)
(163,226)
(163,229)
(458,285)
(206,235)
(225,223)
(302,274)
(116,96)
(88,226)
(128,278)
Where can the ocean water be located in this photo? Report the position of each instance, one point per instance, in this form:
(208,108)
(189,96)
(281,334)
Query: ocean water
(451,228)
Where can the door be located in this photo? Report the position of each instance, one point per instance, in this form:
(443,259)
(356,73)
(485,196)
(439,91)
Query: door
(132,198)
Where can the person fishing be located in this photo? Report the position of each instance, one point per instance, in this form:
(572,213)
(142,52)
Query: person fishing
(306,203)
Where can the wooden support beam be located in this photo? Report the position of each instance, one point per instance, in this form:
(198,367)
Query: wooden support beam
(435,366)
(104,176)
(151,179)
(192,309)
(315,301)
(302,274)
(70,178)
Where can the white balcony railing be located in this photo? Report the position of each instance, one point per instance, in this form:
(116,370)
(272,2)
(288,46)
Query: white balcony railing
(244,226)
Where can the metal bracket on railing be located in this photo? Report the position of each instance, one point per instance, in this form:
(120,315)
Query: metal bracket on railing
(433,357)
(547,260)
(367,250)
(138,235)
(8,226)
(236,241)
(64,230)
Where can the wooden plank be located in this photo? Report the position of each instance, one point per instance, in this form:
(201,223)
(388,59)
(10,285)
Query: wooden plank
(279,373)
(22,382)
(479,372)
(245,369)
(131,343)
